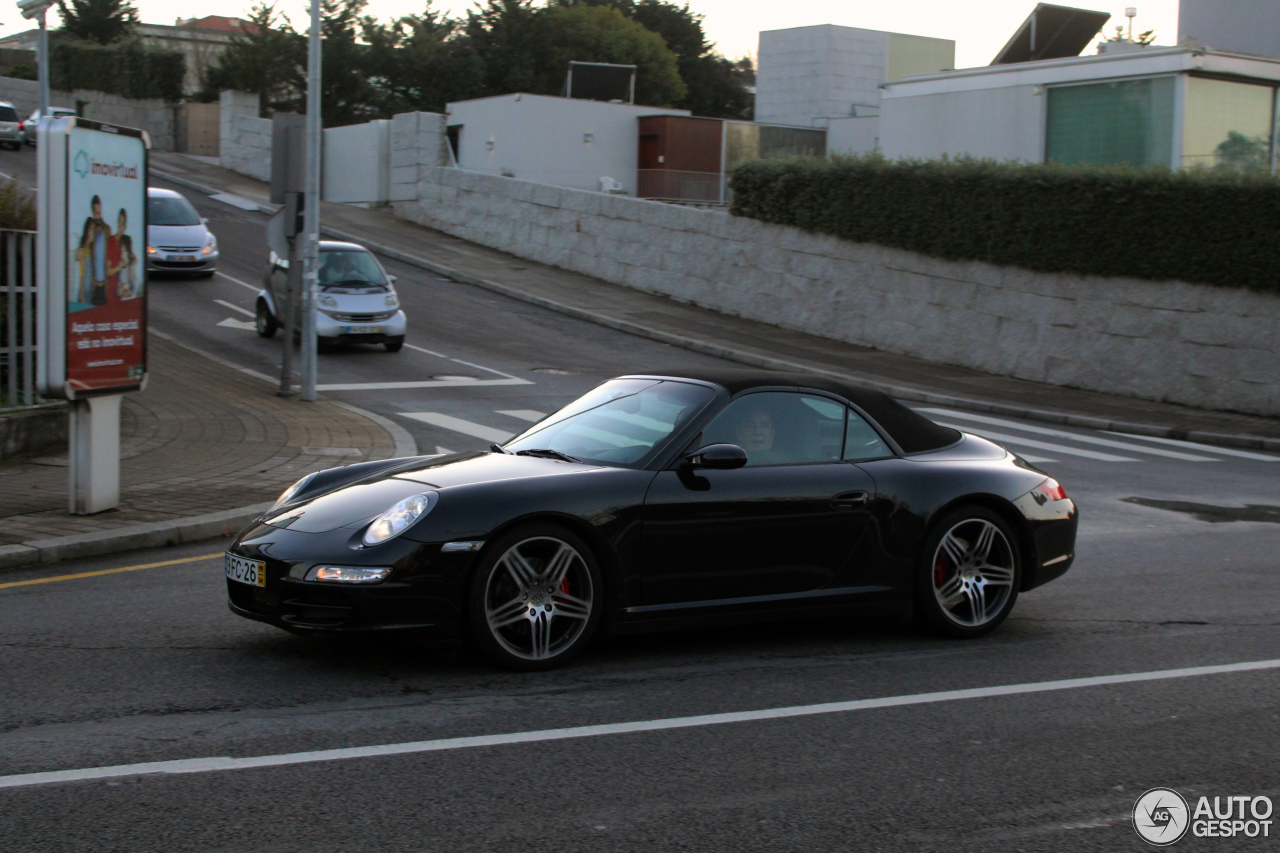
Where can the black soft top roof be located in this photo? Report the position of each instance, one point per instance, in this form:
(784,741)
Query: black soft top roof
(913,432)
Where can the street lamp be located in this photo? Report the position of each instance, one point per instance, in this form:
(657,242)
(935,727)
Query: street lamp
(37,9)
(1131,12)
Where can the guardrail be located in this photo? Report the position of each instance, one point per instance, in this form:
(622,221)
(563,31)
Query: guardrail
(681,186)
(17,320)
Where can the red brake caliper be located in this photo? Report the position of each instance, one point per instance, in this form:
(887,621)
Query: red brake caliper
(564,586)
(939,571)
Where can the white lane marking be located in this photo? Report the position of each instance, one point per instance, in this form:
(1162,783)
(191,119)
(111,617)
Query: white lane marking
(427,351)
(469,364)
(1043,445)
(243,325)
(459,425)
(1059,433)
(426,383)
(442,451)
(255,288)
(205,765)
(1225,451)
(523,414)
(236,201)
(225,304)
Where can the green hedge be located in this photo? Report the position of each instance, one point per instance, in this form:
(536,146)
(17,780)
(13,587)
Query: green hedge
(1210,227)
(127,69)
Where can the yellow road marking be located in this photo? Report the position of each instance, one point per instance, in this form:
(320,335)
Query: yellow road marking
(112,571)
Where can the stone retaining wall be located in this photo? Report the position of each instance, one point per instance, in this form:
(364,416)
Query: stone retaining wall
(151,114)
(1211,347)
(244,143)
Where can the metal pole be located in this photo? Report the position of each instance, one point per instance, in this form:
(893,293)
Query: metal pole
(42,60)
(311,212)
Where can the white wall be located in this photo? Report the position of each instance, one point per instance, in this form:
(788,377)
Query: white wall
(357,162)
(1243,26)
(1001,124)
(809,72)
(853,135)
(543,139)
(244,145)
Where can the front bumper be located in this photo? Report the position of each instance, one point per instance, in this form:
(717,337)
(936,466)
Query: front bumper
(178,262)
(424,593)
(334,330)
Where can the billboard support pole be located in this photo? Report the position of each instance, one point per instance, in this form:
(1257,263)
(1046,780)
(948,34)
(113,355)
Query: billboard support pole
(311,199)
(95,454)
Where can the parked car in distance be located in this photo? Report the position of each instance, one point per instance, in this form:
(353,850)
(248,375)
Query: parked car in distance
(178,238)
(10,126)
(355,300)
(32,124)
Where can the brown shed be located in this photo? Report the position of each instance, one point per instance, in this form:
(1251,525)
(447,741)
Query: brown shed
(679,144)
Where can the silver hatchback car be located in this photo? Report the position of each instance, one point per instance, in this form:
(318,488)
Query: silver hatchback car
(32,124)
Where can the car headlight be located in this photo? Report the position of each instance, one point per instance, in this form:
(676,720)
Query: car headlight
(347,574)
(393,301)
(399,518)
(288,494)
(210,245)
(326,302)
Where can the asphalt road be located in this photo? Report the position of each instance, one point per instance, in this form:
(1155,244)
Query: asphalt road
(1173,571)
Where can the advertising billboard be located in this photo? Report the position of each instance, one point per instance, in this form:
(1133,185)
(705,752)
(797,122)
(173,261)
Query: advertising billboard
(95,282)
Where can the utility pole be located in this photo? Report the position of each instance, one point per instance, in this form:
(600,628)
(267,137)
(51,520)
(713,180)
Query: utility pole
(37,9)
(311,211)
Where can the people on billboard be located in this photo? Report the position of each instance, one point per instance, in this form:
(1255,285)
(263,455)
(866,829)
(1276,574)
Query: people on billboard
(121,260)
(92,255)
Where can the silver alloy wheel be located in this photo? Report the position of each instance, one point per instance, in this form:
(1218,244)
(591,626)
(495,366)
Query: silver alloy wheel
(973,572)
(538,598)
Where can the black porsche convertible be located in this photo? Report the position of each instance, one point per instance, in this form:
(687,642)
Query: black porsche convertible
(660,501)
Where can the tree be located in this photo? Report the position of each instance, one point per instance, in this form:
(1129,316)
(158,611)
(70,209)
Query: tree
(268,58)
(103,21)
(346,94)
(504,35)
(421,62)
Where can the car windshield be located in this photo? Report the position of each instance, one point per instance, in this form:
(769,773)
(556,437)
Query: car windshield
(9,114)
(170,210)
(350,268)
(623,422)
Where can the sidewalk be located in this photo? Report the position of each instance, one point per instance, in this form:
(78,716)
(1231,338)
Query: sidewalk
(734,338)
(203,449)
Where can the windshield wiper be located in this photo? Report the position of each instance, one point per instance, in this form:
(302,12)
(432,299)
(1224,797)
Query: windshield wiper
(548,453)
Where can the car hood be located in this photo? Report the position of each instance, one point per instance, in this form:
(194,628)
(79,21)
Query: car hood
(177,235)
(355,504)
(358,303)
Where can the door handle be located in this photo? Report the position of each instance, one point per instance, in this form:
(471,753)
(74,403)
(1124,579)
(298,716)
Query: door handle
(850,500)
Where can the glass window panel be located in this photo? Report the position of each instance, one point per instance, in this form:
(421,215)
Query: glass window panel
(863,442)
(780,428)
(1124,121)
(1227,126)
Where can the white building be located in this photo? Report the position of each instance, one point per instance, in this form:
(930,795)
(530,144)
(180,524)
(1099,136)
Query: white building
(1173,107)
(565,142)
(831,76)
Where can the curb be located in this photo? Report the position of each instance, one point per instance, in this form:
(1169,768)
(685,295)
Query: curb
(901,392)
(151,535)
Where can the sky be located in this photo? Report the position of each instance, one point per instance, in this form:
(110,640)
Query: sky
(979,27)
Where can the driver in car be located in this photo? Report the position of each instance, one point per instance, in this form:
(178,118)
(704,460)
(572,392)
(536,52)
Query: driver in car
(338,267)
(756,435)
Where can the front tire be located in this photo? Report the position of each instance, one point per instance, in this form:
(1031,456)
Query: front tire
(264,322)
(394,344)
(536,598)
(969,573)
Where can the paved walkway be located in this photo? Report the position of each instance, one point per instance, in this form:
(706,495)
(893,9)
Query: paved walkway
(744,340)
(202,438)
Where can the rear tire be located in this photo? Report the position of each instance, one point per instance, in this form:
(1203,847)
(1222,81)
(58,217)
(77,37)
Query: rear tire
(264,322)
(394,344)
(536,598)
(969,573)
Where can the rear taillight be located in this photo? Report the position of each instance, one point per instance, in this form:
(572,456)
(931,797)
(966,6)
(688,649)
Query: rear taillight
(20,125)
(1052,490)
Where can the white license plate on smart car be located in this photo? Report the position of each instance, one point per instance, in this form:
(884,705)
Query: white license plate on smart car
(240,570)
(364,330)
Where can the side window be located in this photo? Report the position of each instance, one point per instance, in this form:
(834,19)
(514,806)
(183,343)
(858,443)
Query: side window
(861,441)
(780,428)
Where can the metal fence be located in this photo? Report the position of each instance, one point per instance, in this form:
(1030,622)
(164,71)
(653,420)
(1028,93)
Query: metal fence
(680,186)
(17,320)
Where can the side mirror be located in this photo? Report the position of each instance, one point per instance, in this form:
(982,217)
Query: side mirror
(391,279)
(204,220)
(717,457)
